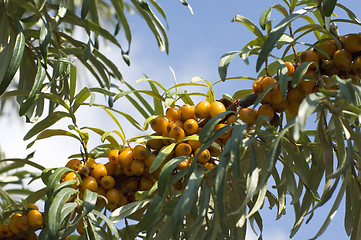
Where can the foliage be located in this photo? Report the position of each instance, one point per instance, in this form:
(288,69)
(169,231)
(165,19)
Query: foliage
(197,201)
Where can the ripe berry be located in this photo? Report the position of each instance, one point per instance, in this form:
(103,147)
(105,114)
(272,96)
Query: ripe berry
(73,164)
(125,157)
(113,155)
(248,115)
(202,109)
(159,124)
(89,183)
(140,152)
(190,126)
(35,218)
(137,167)
(149,160)
(107,182)
(265,110)
(173,114)
(183,149)
(177,133)
(187,112)
(216,108)
(99,171)
(203,157)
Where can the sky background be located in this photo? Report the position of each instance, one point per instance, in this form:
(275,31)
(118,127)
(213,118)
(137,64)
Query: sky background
(196,44)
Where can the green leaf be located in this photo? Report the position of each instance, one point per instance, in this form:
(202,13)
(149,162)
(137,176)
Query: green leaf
(277,32)
(224,62)
(54,213)
(165,173)
(251,26)
(265,18)
(208,130)
(108,222)
(52,132)
(299,73)
(307,106)
(16,57)
(161,156)
(128,209)
(187,198)
(328,6)
(45,123)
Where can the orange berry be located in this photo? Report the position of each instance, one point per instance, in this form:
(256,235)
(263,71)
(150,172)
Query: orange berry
(194,144)
(31,206)
(276,97)
(122,199)
(183,149)
(125,157)
(290,68)
(256,86)
(248,115)
(107,182)
(131,184)
(100,201)
(137,167)
(295,96)
(216,108)
(202,109)
(145,184)
(226,134)
(265,110)
(177,123)
(113,155)
(356,66)
(118,171)
(184,164)
(5,231)
(268,81)
(231,119)
(310,56)
(190,126)
(113,196)
(89,183)
(173,114)
(292,108)
(90,163)
(210,166)
(177,133)
(352,42)
(140,152)
(73,164)
(99,171)
(13,221)
(203,157)
(215,149)
(70,176)
(328,47)
(149,160)
(35,218)
(342,60)
(22,223)
(110,166)
(155,144)
(187,112)
(159,124)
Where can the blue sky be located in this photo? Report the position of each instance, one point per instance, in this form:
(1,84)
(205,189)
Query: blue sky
(196,44)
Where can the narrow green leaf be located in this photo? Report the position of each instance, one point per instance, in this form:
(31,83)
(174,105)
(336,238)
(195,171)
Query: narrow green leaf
(251,26)
(187,198)
(161,156)
(277,32)
(52,132)
(54,213)
(127,210)
(224,62)
(16,57)
(45,123)
(265,17)
(328,6)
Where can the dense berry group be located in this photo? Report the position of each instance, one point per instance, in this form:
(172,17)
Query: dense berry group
(23,225)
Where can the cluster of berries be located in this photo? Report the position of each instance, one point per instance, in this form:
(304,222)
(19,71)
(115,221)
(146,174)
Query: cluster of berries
(327,61)
(23,225)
